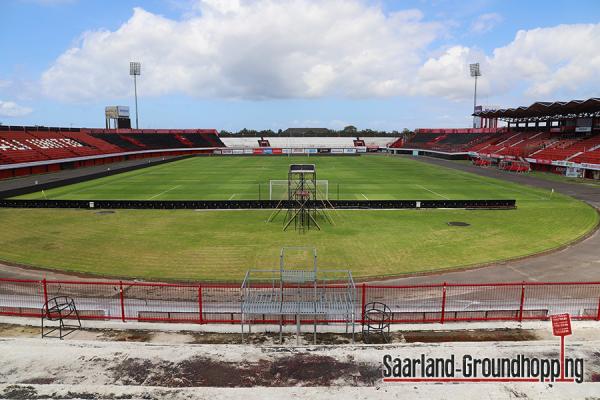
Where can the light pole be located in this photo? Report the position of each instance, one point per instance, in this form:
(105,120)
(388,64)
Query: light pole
(135,69)
(475,72)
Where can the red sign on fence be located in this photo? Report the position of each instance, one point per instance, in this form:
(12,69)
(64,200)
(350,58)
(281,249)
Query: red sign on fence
(561,324)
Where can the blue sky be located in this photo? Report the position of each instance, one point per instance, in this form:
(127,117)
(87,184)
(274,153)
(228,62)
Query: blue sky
(260,64)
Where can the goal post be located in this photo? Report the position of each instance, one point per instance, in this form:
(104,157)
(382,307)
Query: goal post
(278,189)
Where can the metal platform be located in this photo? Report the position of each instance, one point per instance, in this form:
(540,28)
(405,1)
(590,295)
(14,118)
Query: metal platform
(320,294)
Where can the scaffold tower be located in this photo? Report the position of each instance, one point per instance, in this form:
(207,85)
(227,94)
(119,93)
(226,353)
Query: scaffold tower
(303,294)
(302,200)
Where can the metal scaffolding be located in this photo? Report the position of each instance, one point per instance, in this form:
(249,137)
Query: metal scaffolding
(299,293)
(302,200)
(302,193)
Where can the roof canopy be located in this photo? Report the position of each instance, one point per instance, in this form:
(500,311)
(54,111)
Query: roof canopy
(543,110)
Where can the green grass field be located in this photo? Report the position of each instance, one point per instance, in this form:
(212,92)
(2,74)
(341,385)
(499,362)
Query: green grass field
(237,178)
(221,245)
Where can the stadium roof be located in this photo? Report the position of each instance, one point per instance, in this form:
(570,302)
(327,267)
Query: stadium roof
(547,110)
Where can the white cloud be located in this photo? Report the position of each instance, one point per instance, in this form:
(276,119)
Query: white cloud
(12,109)
(565,58)
(219,6)
(547,62)
(264,49)
(269,49)
(448,75)
(486,22)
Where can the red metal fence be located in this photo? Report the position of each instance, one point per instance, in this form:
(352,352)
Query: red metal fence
(220,303)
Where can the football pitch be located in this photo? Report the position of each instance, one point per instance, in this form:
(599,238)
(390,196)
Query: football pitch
(221,245)
(247,178)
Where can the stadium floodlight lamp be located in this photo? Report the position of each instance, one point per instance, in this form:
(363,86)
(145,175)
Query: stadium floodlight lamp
(135,69)
(475,72)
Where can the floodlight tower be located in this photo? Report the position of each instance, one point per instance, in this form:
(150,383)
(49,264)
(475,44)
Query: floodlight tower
(475,72)
(135,69)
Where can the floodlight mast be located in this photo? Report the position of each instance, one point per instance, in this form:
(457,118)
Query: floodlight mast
(475,72)
(135,69)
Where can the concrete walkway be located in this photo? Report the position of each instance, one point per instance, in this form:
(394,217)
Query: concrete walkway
(109,365)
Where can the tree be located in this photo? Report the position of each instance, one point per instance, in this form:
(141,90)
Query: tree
(350,129)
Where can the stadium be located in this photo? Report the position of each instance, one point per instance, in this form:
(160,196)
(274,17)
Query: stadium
(292,263)
(248,177)
(178,217)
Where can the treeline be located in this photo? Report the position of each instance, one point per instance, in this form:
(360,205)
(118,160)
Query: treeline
(349,131)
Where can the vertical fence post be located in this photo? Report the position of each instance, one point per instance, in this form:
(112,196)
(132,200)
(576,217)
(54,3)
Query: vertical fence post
(45,286)
(200,310)
(122,295)
(522,302)
(598,316)
(443,316)
(363,303)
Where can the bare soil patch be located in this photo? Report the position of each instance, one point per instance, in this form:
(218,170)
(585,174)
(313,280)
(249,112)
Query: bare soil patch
(126,336)
(267,339)
(502,335)
(293,370)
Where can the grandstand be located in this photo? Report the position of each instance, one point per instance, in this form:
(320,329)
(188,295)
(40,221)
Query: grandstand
(374,143)
(28,150)
(546,136)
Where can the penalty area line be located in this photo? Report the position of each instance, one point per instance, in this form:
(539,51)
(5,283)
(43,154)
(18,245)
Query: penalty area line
(431,191)
(366,198)
(232,196)
(168,190)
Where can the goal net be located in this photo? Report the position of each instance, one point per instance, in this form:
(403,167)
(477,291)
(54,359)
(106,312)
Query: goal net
(278,189)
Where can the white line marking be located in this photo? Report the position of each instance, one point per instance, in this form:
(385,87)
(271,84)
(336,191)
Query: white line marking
(431,191)
(111,179)
(232,196)
(503,184)
(168,190)
(365,196)
(92,185)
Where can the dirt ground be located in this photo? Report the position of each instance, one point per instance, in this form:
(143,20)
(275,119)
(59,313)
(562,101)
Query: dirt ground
(262,338)
(96,363)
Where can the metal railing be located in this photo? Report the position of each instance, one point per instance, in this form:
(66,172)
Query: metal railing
(206,303)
